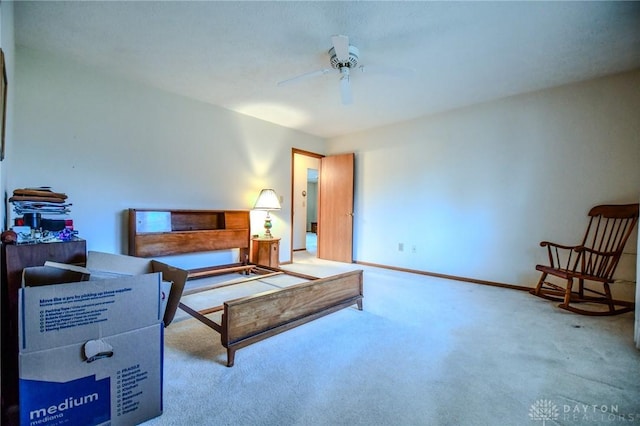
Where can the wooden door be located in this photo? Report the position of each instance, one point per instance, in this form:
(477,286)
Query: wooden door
(335,212)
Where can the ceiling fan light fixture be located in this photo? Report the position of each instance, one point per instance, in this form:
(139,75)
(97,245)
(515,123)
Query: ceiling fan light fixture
(339,63)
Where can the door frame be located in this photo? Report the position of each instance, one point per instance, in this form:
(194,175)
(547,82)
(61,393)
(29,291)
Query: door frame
(298,151)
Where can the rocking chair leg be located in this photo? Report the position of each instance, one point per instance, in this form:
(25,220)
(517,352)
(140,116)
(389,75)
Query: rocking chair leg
(536,291)
(581,288)
(567,294)
(607,291)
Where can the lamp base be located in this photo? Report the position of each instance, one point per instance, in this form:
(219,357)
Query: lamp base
(267,226)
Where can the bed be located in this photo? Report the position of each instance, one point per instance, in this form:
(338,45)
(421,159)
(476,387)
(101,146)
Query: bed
(253,317)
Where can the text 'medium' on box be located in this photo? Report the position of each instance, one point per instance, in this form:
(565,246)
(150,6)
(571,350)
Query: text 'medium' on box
(91,351)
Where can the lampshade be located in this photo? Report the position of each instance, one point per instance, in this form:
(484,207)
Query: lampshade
(267,200)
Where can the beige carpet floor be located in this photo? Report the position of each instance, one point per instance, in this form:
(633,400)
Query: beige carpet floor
(424,351)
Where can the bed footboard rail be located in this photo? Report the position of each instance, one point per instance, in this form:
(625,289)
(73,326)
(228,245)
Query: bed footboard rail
(250,319)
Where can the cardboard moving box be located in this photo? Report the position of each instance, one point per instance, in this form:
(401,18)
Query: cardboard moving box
(91,352)
(63,386)
(120,264)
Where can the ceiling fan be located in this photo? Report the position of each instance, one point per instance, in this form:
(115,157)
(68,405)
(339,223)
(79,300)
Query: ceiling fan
(343,59)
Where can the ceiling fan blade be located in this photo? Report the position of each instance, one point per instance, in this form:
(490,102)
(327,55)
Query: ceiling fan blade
(345,87)
(305,76)
(341,47)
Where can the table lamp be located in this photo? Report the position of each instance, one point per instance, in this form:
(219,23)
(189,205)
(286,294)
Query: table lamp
(267,200)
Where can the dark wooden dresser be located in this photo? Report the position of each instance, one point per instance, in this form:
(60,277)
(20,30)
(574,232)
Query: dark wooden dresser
(14,259)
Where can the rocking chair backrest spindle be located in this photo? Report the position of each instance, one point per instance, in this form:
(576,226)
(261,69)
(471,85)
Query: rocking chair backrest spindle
(609,229)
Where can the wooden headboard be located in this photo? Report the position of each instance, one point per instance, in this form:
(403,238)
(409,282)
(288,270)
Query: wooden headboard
(154,232)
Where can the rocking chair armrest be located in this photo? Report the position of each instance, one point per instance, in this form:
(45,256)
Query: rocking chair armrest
(555,254)
(549,244)
(580,249)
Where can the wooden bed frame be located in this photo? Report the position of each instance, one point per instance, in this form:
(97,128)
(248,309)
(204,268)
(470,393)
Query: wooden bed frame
(245,320)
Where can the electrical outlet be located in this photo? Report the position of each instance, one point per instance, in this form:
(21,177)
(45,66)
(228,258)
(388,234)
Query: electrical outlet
(400,246)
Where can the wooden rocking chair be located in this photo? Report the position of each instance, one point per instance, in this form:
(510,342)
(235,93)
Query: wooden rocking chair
(594,260)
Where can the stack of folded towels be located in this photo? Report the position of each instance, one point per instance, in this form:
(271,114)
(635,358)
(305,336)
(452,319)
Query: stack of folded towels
(39,200)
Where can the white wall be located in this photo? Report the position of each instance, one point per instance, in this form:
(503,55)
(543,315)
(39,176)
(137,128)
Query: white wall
(486,183)
(7,45)
(111,144)
(476,189)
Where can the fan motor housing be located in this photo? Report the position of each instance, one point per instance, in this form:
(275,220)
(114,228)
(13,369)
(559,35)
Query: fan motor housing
(351,62)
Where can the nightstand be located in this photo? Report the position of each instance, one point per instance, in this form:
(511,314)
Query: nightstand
(265,251)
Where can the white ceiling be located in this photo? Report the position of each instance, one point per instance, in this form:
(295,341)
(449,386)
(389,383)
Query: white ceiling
(232,54)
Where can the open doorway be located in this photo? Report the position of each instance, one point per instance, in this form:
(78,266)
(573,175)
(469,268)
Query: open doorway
(306,166)
(312,212)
